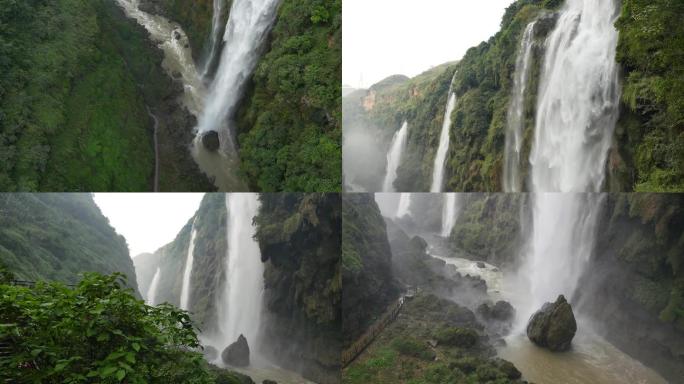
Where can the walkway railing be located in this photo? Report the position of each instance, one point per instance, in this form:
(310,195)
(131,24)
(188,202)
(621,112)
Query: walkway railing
(351,353)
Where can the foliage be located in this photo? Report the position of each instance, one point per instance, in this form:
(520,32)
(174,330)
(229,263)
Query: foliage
(69,107)
(651,130)
(46,236)
(289,124)
(96,332)
(457,337)
(409,346)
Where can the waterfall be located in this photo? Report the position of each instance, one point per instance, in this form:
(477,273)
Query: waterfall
(576,115)
(214,36)
(404,205)
(185,290)
(239,306)
(152,291)
(443,148)
(449,213)
(516,114)
(246,31)
(394,157)
(578,99)
(563,238)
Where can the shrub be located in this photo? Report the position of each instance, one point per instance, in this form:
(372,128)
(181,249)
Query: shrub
(409,346)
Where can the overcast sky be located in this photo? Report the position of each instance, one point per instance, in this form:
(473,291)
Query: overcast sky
(388,37)
(148,220)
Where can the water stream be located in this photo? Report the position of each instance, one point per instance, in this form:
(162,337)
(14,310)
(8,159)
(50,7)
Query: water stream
(240,302)
(443,148)
(516,114)
(214,42)
(449,212)
(404,206)
(187,272)
(154,286)
(394,157)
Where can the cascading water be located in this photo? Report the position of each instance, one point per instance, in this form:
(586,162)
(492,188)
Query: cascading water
(185,289)
(394,157)
(443,148)
(516,113)
(213,37)
(152,291)
(577,111)
(449,213)
(404,205)
(247,29)
(239,305)
(578,99)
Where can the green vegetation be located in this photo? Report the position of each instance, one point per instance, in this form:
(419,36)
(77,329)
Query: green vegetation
(46,236)
(289,125)
(69,104)
(367,275)
(299,237)
(651,129)
(402,352)
(97,332)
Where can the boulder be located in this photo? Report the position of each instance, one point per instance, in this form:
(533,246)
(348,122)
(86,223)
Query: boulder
(480,264)
(237,354)
(501,311)
(176,35)
(210,140)
(210,353)
(553,326)
(269,382)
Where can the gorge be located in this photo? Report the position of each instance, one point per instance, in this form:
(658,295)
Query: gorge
(549,103)
(488,257)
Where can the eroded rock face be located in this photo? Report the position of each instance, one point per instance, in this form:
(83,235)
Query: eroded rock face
(237,354)
(210,140)
(553,326)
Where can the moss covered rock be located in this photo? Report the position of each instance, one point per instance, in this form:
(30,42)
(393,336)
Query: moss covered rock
(553,326)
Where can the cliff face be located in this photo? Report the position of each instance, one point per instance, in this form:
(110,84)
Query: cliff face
(300,236)
(208,261)
(490,227)
(647,154)
(367,278)
(634,285)
(58,236)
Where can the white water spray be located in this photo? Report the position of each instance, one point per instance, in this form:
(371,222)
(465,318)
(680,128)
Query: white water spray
(576,115)
(404,206)
(516,114)
(443,148)
(239,305)
(449,213)
(214,37)
(247,29)
(394,157)
(578,99)
(152,291)
(187,273)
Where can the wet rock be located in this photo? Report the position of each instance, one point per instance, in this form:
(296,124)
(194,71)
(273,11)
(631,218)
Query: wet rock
(508,369)
(210,353)
(176,35)
(237,354)
(480,264)
(176,75)
(501,311)
(553,326)
(210,140)
(269,382)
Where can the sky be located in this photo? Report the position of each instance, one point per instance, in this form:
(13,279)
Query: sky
(148,220)
(388,37)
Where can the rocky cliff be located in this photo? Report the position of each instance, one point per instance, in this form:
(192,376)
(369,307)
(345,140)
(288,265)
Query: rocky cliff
(369,284)
(299,236)
(634,286)
(52,236)
(646,155)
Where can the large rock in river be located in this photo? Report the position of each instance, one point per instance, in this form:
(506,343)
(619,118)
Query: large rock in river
(237,354)
(210,140)
(553,326)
